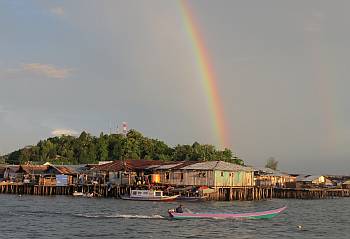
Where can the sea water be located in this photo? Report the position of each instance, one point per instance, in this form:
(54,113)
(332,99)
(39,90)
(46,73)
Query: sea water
(69,217)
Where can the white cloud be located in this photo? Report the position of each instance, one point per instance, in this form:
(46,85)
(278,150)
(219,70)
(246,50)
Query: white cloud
(47,70)
(59,11)
(59,132)
(36,70)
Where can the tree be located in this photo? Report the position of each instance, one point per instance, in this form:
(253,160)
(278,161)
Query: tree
(90,149)
(102,148)
(271,163)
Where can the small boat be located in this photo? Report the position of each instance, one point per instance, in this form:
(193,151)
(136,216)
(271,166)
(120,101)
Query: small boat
(148,195)
(249,215)
(82,194)
(78,194)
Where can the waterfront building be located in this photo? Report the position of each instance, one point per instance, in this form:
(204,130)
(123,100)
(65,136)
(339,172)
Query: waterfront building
(212,174)
(309,181)
(346,184)
(266,177)
(127,172)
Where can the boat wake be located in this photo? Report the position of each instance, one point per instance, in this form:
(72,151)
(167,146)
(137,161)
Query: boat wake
(128,216)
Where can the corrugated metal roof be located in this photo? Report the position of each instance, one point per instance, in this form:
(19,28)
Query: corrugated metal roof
(176,165)
(168,166)
(13,168)
(271,172)
(129,165)
(35,169)
(65,170)
(309,178)
(76,168)
(184,164)
(217,165)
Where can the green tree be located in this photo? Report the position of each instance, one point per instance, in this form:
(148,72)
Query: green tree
(271,163)
(102,148)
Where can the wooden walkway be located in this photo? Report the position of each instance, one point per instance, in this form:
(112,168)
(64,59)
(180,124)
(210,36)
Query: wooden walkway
(100,190)
(222,194)
(312,193)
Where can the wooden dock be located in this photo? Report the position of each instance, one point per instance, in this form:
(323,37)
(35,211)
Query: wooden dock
(49,190)
(310,193)
(242,193)
(221,194)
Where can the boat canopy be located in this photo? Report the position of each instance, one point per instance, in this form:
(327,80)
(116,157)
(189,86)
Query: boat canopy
(146,193)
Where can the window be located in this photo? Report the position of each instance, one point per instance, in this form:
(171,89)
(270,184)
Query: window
(158,194)
(134,193)
(167,176)
(222,174)
(139,193)
(182,176)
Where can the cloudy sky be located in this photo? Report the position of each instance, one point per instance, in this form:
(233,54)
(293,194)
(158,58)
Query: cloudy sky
(281,67)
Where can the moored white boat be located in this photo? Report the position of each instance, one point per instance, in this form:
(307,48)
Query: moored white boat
(82,194)
(148,195)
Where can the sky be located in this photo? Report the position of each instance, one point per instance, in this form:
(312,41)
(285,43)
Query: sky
(281,70)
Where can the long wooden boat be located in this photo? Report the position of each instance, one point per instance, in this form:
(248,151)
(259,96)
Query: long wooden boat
(191,199)
(148,195)
(249,215)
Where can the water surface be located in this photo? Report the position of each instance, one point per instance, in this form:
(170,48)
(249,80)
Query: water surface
(68,217)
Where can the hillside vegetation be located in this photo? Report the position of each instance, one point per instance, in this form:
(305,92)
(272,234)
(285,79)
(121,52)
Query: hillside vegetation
(91,149)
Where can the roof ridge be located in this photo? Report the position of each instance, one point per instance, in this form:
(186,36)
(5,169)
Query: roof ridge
(217,162)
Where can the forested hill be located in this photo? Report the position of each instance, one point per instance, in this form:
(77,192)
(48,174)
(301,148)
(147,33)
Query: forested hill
(91,149)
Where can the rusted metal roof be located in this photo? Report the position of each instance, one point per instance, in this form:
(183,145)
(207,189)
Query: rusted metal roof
(176,165)
(65,170)
(128,165)
(168,166)
(35,169)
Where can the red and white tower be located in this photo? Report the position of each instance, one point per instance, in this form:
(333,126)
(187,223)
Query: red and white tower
(125,128)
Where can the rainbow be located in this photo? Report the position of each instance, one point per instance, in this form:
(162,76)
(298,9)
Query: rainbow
(207,75)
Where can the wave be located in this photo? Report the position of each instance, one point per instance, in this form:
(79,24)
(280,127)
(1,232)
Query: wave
(129,216)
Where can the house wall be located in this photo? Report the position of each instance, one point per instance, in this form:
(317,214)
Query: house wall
(233,179)
(271,180)
(206,178)
(47,181)
(345,186)
(319,180)
(122,178)
(187,177)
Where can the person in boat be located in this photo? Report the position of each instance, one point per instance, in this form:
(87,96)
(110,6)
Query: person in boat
(179,209)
